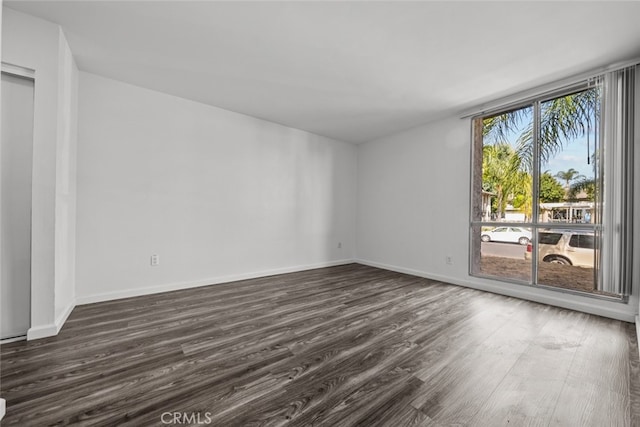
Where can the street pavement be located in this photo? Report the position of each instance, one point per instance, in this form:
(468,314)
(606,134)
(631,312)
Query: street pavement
(506,250)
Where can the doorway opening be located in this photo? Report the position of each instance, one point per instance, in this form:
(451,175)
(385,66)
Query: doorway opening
(16,169)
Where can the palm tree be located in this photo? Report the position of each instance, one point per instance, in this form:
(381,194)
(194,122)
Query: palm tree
(568,176)
(497,128)
(588,185)
(508,173)
(562,119)
(522,189)
(500,172)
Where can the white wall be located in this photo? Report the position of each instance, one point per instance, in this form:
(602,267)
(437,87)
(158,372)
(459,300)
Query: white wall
(412,204)
(65,210)
(36,44)
(217,195)
(413,211)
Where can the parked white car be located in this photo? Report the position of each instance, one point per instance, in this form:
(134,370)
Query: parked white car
(507,234)
(565,247)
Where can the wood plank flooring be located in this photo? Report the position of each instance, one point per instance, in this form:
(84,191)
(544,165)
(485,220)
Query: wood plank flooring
(341,346)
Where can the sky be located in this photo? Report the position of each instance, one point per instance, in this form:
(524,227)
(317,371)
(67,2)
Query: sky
(574,155)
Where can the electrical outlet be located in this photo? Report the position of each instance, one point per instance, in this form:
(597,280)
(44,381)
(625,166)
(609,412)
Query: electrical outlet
(339,245)
(155,260)
(448,260)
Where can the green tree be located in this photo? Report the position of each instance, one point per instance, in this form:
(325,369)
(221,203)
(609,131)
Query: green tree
(497,128)
(551,191)
(522,193)
(562,119)
(507,171)
(588,185)
(501,173)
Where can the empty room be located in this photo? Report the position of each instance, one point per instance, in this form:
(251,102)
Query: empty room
(305,213)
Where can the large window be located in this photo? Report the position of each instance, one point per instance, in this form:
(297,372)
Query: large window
(550,185)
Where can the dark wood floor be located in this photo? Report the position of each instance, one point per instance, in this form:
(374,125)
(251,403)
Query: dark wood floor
(341,346)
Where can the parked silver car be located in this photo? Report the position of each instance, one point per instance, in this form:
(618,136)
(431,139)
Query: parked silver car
(569,247)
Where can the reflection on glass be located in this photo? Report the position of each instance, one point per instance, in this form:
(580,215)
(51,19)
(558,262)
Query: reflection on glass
(507,159)
(567,259)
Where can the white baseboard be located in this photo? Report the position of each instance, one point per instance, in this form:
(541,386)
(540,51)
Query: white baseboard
(13,339)
(612,310)
(64,316)
(42,331)
(109,296)
(3,408)
(50,330)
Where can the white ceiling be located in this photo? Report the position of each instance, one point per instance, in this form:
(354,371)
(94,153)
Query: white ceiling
(354,71)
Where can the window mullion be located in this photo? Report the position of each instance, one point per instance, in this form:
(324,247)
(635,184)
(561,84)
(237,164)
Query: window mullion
(535,189)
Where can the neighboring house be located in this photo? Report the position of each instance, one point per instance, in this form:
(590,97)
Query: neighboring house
(570,212)
(486,205)
(566,212)
(513,214)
